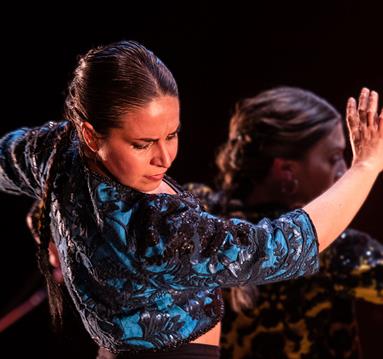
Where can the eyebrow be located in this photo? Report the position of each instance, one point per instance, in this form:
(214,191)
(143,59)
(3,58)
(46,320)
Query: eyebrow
(156,139)
(337,148)
(340,146)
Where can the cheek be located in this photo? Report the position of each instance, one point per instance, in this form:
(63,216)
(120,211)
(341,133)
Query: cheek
(326,178)
(121,159)
(133,163)
(318,177)
(106,152)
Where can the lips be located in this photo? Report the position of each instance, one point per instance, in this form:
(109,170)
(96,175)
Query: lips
(156,177)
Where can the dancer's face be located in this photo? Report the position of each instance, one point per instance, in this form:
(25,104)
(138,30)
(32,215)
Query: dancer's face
(139,153)
(322,165)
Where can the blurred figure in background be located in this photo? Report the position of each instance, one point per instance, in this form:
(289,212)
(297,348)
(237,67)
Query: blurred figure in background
(286,147)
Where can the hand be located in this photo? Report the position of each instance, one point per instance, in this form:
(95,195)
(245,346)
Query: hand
(366,130)
(55,263)
(32,223)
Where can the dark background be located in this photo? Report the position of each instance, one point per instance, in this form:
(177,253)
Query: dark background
(217,54)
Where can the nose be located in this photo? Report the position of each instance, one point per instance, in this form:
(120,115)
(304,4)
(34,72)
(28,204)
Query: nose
(162,156)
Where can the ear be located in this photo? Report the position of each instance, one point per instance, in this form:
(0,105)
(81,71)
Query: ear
(284,169)
(89,136)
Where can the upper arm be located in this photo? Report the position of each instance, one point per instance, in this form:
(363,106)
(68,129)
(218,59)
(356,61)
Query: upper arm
(25,156)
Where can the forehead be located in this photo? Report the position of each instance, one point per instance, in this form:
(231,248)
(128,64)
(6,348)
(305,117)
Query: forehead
(335,139)
(159,116)
(336,136)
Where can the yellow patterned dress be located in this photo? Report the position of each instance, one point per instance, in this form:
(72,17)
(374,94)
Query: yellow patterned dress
(311,317)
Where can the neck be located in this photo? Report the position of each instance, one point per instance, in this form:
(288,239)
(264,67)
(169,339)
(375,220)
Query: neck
(265,193)
(95,164)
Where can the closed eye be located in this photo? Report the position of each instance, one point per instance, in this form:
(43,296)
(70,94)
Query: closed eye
(150,141)
(138,146)
(172,136)
(336,158)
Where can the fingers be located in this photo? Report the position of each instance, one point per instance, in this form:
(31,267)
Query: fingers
(53,255)
(366,130)
(363,104)
(372,109)
(352,117)
(368,107)
(363,120)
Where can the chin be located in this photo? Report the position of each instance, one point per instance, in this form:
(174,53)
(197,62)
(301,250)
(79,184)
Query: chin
(147,188)
(142,186)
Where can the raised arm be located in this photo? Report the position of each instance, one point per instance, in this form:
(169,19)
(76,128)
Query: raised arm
(332,212)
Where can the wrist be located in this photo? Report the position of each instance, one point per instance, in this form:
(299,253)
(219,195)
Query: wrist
(366,167)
